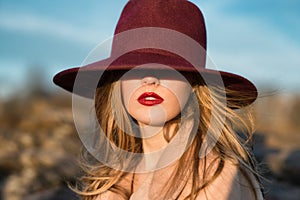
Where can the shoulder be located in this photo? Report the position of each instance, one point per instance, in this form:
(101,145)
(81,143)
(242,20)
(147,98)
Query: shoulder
(231,184)
(108,195)
(124,184)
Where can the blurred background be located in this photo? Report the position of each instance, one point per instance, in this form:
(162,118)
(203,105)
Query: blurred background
(39,145)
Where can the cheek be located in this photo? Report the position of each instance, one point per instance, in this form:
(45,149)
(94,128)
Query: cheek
(176,95)
(127,88)
(180,91)
(175,103)
(183,95)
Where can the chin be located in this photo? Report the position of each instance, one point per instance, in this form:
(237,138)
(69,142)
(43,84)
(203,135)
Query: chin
(151,123)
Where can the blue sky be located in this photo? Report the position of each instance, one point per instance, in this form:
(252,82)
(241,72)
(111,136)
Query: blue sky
(256,39)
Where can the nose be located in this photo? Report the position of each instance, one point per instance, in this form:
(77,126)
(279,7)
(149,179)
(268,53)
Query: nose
(150,80)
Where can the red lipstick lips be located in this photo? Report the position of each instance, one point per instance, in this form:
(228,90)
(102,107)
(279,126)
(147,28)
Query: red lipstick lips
(150,99)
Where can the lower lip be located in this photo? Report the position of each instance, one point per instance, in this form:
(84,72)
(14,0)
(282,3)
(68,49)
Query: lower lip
(145,102)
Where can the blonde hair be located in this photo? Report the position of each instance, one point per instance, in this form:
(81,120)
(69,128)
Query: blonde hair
(229,146)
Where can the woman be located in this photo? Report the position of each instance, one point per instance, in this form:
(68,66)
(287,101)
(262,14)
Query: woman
(166,125)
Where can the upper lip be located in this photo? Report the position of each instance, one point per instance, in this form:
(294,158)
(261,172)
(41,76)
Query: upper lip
(150,94)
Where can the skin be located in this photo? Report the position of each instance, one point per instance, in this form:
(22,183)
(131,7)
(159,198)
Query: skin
(175,92)
(171,86)
(230,185)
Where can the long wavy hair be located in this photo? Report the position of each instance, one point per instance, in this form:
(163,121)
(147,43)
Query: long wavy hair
(229,146)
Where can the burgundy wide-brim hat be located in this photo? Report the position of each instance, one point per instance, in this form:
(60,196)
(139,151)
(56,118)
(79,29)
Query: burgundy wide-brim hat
(168,32)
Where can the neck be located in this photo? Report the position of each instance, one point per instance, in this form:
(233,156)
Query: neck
(153,141)
(154,137)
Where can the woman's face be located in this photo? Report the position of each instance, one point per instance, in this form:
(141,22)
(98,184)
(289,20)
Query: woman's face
(155,97)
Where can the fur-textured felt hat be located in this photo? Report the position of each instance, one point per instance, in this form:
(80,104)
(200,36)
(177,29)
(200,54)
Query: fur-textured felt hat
(168,32)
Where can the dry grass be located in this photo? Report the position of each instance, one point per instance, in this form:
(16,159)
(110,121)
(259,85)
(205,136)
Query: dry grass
(278,118)
(39,144)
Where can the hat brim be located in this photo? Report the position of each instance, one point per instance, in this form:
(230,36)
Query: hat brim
(240,92)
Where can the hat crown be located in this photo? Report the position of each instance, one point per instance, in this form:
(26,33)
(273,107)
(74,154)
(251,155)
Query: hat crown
(177,15)
(168,32)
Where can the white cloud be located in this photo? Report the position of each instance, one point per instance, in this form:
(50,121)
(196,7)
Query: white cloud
(30,23)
